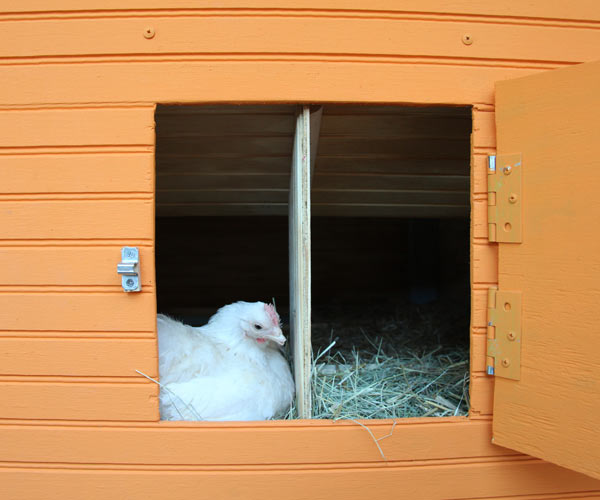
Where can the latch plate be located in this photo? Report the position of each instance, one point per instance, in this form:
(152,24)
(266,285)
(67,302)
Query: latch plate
(504,334)
(129,269)
(504,198)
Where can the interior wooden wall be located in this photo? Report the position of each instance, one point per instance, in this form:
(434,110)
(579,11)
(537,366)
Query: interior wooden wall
(369,161)
(79,86)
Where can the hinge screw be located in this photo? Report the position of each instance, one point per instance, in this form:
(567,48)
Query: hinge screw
(507,170)
(513,198)
(149,32)
(506,362)
(511,336)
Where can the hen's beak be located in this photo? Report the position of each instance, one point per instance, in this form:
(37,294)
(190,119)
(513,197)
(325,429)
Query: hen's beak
(276,336)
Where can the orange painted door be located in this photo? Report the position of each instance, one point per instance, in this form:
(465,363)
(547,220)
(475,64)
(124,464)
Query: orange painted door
(552,120)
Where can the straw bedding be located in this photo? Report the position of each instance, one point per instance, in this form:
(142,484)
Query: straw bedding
(390,361)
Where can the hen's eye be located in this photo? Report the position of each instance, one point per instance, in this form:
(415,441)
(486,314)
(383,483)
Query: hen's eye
(258,327)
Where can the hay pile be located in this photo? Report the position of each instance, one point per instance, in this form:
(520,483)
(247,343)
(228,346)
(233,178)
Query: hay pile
(390,362)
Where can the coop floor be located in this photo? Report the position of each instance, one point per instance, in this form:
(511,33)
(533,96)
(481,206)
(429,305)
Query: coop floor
(392,359)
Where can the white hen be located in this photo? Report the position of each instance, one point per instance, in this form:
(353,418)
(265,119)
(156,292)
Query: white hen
(228,369)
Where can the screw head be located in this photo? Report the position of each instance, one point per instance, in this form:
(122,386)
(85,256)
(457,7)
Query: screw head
(467,39)
(511,336)
(129,282)
(149,32)
(506,362)
(513,198)
(507,170)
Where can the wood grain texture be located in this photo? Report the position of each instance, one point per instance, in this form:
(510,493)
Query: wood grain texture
(433,482)
(402,122)
(481,392)
(64,265)
(242,146)
(479,165)
(78,357)
(484,262)
(579,10)
(550,496)
(552,411)
(321,210)
(213,121)
(484,129)
(344,196)
(300,262)
(255,443)
(77,173)
(286,35)
(478,351)
(78,400)
(297,80)
(210,459)
(321,182)
(74,219)
(382,156)
(393,165)
(77,127)
(88,312)
(479,223)
(479,307)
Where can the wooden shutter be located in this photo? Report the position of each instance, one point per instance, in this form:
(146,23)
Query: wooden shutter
(552,120)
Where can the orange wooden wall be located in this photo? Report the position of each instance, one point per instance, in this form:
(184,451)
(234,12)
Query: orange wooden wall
(79,83)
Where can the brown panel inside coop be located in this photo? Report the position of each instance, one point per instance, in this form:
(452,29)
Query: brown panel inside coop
(390,235)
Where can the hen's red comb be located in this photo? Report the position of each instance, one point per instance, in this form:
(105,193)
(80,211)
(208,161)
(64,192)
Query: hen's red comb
(272,313)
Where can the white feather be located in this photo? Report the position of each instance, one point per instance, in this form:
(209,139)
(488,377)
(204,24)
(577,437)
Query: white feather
(225,370)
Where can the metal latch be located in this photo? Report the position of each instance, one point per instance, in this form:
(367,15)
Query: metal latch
(504,198)
(504,334)
(129,270)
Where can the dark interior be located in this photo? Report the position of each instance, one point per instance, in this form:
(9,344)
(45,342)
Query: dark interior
(354,261)
(390,206)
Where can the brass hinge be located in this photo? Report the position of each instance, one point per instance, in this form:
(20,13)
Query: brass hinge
(504,198)
(504,334)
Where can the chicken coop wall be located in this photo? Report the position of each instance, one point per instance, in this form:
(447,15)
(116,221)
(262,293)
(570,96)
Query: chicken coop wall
(80,84)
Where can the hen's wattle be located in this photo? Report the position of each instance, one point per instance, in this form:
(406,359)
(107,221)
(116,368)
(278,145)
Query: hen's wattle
(228,369)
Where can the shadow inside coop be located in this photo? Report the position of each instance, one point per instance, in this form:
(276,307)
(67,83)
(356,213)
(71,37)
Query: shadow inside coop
(390,241)
(390,302)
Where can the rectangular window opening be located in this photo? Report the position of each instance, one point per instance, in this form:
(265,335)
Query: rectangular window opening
(389,243)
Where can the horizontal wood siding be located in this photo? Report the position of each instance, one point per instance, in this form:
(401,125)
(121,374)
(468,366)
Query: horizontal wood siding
(79,88)
(69,219)
(79,357)
(77,186)
(582,10)
(392,35)
(234,459)
(77,311)
(77,400)
(382,81)
(506,478)
(288,443)
(77,127)
(69,264)
(128,171)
